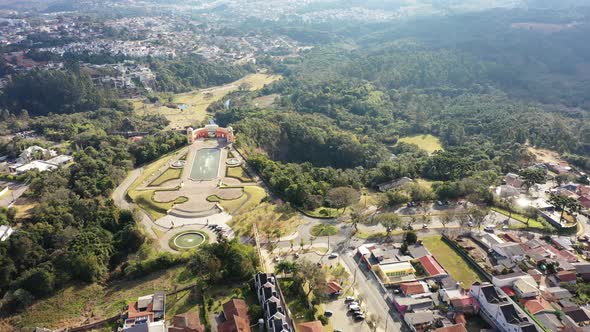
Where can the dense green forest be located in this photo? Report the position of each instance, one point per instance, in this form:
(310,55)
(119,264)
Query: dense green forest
(481,82)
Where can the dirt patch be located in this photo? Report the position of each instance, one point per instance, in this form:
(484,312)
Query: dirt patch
(545,156)
(265,101)
(24,207)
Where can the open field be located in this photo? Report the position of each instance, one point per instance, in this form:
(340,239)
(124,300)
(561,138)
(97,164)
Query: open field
(80,304)
(454,264)
(265,101)
(427,143)
(169,174)
(24,207)
(198,100)
(267,216)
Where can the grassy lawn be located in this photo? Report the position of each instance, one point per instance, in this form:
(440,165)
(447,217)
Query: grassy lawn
(324,212)
(296,302)
(251,198)
(199,100)
(156,210)
(169,174)
(427,143)
(216,296)
(454,264)
(323,230)
(532,223)
(77,304)
(238,173)
(267,216)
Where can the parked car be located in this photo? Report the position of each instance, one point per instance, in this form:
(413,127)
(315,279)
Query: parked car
(424,226)
(296,255)
(349,299)
(354,307)
(328,313)
(439,203)
(277,259)
(333,255)
(359,318)
(470,224)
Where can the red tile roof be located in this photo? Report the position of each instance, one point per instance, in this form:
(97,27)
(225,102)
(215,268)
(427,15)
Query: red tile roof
(236,315)
(412,288)
(536,305)
(188,322)
(315,326)
(566,275)
(452,328)
(431,266)
(332,287)
(509,291)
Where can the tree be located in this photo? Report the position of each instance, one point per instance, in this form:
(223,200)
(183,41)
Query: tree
(341,197)
(478,214)
(464,220)
(411,237)
(357,216)
(312,275)
(285,267)
(532,176)
(390,221)
(446,219)
(564,203)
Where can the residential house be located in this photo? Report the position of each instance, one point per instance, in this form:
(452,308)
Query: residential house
(507,280)
(525,289)
(187,322)
(235,317)
(452,328)
(550,320)
(536,274)
(409,304)
(537,305)
(566,276)
(418,251)
(414,288)
(562,242)
(147,309)
(510,250)
(499,309)
(490,240)
(315,326)
(419,320)
(578,315)
(582,269)
(432,267)
(159,326)
(554,294)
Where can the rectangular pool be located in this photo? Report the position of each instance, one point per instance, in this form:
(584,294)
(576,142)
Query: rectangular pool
(206,164)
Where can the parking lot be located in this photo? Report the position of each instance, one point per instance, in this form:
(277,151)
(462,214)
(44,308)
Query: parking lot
(342,319)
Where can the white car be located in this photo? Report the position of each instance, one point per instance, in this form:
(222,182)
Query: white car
(333,255)
(354,307)
(349,299)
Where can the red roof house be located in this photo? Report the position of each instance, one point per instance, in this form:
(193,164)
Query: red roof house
(452,328)
(315,326)
(333,288)
(537,305)
(431,266)
(566,276)
(413,288)
(235,312)
(188,322)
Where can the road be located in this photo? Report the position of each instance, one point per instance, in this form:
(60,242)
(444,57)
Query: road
(120,199)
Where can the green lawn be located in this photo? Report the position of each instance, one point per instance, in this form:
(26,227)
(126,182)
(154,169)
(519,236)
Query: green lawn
(323,230)
(323,212)
(427,143)
(454,264)
(251,198)
(169,174)
(532,223)
(156,210)
(239,173)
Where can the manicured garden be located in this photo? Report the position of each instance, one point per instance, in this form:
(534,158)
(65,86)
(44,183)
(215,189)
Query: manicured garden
(323,230)
(167,175)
